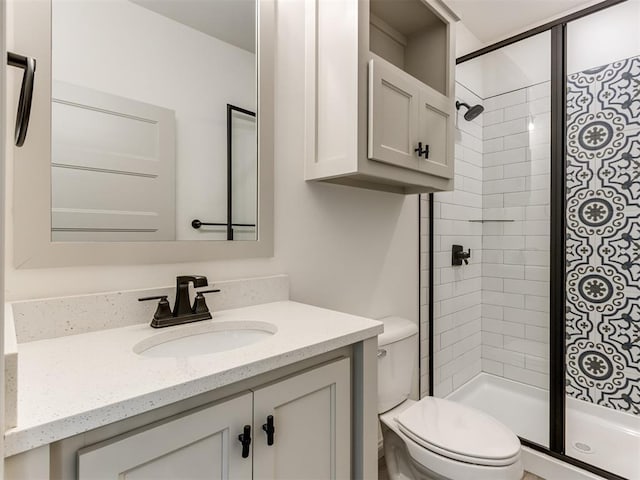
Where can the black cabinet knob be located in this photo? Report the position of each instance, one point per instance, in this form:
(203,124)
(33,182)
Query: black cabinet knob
(269,429)
(422,151)
(245,440)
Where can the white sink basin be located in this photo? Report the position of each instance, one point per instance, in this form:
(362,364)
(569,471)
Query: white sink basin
(202,339)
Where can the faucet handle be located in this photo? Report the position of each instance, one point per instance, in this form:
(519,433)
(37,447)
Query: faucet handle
(200,304)
(163,310)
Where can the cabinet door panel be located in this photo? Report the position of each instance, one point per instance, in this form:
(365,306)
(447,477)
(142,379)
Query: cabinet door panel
(312,426)
(393,115)
(200,445)
(436,130)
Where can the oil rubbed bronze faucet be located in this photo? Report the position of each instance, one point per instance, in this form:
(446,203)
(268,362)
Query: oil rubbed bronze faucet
(183,311)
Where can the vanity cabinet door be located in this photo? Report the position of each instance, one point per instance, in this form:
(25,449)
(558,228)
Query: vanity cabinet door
(312,422)
(199,445)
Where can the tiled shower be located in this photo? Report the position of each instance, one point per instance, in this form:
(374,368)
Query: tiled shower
(492,322)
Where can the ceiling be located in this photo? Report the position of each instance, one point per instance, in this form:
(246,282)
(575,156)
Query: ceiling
(493,20)
(232,21)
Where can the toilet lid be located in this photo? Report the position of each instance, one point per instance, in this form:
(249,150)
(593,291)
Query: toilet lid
(459,432)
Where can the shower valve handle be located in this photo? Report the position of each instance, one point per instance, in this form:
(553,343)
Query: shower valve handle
(422,151)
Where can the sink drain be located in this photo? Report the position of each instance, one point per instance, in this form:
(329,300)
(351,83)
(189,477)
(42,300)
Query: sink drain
(582,447)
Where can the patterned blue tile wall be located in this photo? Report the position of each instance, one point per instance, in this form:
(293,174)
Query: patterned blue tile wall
(603,236)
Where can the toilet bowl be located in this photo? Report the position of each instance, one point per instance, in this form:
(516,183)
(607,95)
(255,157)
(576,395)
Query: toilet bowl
(435,439)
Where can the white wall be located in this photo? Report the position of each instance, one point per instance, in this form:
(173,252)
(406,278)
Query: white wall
(516,66)
(348,249)
(3,138)
(604,37)
(157,60)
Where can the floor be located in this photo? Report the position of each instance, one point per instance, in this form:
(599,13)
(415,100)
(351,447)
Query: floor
(382,472)
(596,435)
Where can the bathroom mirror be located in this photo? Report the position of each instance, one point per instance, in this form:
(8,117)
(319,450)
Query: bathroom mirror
(153,122)
(151,137)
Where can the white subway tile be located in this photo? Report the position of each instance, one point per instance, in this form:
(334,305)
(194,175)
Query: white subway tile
(460,303)
(467,344)
(505,128)
(496,116)
(504,186)
(492,339)
(537,364)
(540,152)
(493,228)
(526,316)
(537,242)
(538,91)
(466,374)
(467,169)
(505,100)
(493,173)
(514,228)
(527,287)
(493,145)
(541,105)
(470,142)
(503,356)
(537,212)
(491,311)
(516,141)
(492,256)
(503,157)
(539,334)
(529,377)
(493,367)
(537,273)
(492,201)
(503,299)
(516,111)
(538,228)
(522,169)
(539,304)
(493,284)
(443,388)
(524,199)
(503,242)
(503,271)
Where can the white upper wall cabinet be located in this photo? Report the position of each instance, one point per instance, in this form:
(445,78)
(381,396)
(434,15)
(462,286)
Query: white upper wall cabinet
(380,94)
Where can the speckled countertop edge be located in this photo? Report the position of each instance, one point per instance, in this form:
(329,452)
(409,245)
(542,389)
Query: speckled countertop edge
(110,383)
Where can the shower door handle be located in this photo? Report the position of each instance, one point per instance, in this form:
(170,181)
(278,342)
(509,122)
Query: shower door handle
(28,64)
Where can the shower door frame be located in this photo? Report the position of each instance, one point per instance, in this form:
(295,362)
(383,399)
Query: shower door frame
(557,290)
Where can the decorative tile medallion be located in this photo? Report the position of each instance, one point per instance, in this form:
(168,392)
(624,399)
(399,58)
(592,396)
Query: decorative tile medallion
(603,235)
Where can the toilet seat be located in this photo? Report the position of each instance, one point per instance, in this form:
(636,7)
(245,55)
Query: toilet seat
(458,432)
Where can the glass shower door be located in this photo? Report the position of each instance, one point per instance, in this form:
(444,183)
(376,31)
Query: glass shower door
(603,240)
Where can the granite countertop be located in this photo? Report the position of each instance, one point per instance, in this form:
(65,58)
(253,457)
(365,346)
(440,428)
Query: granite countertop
(73,384)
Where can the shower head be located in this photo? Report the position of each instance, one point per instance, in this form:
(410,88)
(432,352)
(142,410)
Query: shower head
(472,112)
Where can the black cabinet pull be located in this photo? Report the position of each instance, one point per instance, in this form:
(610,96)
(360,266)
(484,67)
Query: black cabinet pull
(245,440)
(269,429)
(28,64)
(422,151)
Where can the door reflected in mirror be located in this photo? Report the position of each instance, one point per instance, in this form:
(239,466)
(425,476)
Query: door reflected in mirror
(154,131)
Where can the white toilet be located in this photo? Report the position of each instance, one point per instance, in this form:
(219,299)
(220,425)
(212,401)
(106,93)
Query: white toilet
(435,439)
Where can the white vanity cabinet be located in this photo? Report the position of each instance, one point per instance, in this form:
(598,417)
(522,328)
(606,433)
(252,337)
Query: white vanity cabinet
(311,419)
(380,94)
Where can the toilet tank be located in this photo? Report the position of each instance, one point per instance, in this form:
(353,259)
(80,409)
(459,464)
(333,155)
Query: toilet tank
(397,361)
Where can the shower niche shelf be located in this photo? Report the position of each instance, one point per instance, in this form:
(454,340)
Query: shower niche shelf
(380,94)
